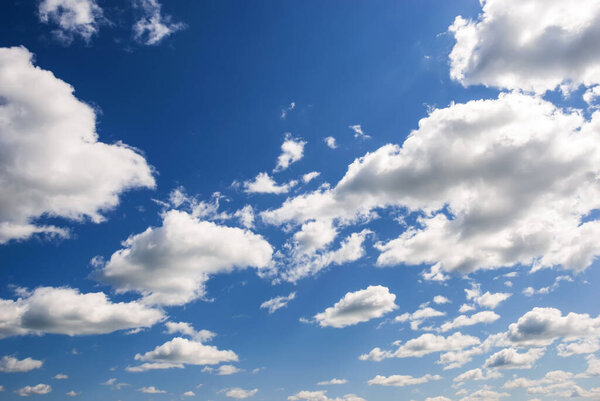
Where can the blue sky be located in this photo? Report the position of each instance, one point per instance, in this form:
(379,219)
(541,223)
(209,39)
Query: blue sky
(302,200)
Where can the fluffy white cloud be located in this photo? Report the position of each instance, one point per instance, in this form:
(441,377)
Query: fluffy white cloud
(151,390)
(276,303)
(535,45)
(330,142)
(358,132)
(463,320)
(417,317)
(226,370)
(240,393)
(170,264)
(60,376)
(516,174)
(321,396)
(485,394)
(72,17)
(38,389)
(188,352)
(440,300)
(264,184)
(486,300)
(542,326)
(357,307)
(586,345)
(52,163)
(425,344)
(292,150)
(308,177)
(67,311)
(144,367)
(10,364)
(188,330)
(509,358)
(402,380)
(439,398)
(477,374)
(332,381)
(189,394)
(72,393)
(153,26)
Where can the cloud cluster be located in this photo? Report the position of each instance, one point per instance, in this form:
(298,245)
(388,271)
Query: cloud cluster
(52,163)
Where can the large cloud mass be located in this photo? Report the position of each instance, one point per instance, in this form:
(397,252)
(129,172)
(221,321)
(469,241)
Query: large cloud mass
(495,182)
(535,45)
(170,264)
(51,163)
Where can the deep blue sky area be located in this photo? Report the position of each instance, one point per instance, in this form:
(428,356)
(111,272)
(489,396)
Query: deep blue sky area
(208,108)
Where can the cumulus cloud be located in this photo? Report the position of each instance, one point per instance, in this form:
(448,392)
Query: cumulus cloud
(509,358)
(151,390)
(240,393)
(358,132)
(170,264)
(417,317)
(484,394)
(321,396)
(52,163)
(152,27)
(276,303)
(330,142)
(60,376)
(38,389)
(308,177)
(10,364)
(226,370)
(67,311)
(188,330)
(72,18)
(440,300)
(542,326)
(181,350)
(463,320)
(292,150)
(477,374)
(586,345)
(357,307)
(536,45)
(486,300)
(425,344)
(496,183)
(263,183)
(402,380)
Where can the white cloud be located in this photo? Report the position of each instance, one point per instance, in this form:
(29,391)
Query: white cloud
(417,317)
(330,142)
(285,111)
(240,393)
(226,370)
(276,303)
(38,389)
(188,330)
(357,307)
(72,17)
(170,264)
(487,300)
(586,345)
(477,374)
(332,381)
(264,184)
(67,311)
(60,376)
(358,132)
(321,396)
(516,173)
(308,177)
(440,300)
(188,352)
(52,163)
(144,367)
(425,344)
(153,26)
(292,150)
(463,320)
(509,358)
(530,291)
(151,390)
(484,394)
(438,398)
(189,394)
(542,326)
(535,45)
(401,380)
(10,364)
(73,393)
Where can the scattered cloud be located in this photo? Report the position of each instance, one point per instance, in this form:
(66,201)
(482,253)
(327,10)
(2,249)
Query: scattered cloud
(38,389)
(153,27)
(292,150)
(401,381)
(10,364)
(72,18)
(276,303)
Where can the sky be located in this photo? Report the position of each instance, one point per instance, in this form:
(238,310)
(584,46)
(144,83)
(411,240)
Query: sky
(299,200)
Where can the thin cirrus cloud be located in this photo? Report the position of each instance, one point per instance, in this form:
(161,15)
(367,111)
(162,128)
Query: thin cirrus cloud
(274,304)
(53,147)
